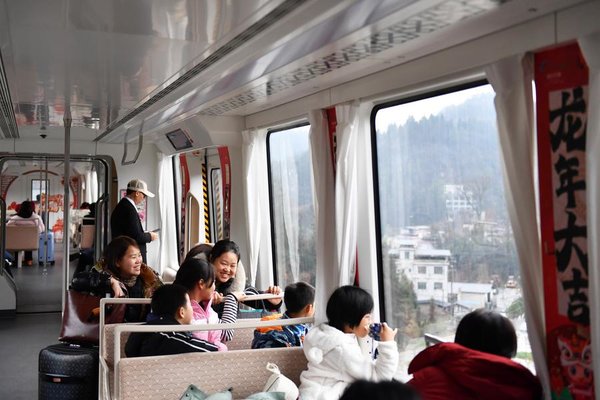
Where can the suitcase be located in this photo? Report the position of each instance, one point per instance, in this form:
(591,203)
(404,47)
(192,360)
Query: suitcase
(68,372)
(49,245)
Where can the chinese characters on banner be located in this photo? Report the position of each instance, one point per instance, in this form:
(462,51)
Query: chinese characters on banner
(561,78)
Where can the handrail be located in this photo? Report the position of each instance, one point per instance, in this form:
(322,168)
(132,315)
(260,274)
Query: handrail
(104,390)
(262,296)
(126,300)
(103,370)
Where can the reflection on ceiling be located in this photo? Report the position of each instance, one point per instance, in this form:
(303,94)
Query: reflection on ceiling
(122,64)
(102,58)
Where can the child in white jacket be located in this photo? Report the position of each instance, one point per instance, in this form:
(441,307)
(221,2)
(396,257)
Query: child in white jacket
(335,358)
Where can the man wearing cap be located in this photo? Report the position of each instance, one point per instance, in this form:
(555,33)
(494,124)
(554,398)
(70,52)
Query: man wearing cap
(125,220)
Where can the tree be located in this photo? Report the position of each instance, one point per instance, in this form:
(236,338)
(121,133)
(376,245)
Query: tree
(516,309)
(474,192)
(404,312)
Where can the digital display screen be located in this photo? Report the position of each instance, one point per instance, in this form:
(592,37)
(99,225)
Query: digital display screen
(179,140)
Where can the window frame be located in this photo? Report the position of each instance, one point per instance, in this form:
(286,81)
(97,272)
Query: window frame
(270,185)
(46,186)
(376,197)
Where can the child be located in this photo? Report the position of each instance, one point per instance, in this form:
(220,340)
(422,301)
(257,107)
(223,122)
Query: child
(198,277)
(335,358)
(477,365)
(298,298)
(171,305)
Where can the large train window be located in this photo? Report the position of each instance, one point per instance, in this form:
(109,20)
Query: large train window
(445,243)
(292,211)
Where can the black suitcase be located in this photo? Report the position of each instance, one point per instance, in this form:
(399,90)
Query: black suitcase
(68,372)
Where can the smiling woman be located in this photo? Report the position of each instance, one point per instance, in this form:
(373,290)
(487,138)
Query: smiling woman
(224,256)
(129,276)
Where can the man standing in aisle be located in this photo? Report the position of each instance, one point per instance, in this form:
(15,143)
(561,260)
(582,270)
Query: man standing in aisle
(125,219)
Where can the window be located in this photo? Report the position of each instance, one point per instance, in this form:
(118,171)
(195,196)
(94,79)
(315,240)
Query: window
(407,255)
(438,183)
(422,270)
(216,218)
(292,212)
(38,187)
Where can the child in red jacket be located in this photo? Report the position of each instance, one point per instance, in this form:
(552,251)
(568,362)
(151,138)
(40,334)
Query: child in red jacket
(477,366)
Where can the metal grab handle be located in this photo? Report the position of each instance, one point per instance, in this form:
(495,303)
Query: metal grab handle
(139,149)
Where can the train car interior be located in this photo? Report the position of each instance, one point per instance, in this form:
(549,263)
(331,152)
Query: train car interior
(335,141)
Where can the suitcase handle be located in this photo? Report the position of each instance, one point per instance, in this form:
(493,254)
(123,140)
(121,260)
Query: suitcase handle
(63,379)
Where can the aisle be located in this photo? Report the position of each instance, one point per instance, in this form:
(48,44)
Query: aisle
(39,288)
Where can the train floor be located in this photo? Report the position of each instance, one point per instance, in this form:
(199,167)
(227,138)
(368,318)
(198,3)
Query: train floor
(21,340)
(35,326)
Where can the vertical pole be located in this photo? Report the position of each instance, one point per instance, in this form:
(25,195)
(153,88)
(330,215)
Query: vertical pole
(66,200)
(46,214)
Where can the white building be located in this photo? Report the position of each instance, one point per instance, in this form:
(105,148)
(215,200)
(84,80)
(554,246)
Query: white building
(423,265)
(474,295)
(428,269)
(457,199)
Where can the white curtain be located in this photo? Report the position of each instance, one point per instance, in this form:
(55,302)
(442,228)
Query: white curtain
(591,50)
(286,216)
(511,79)
(94,186)
(87,193)
(256,193)
(324,205)
(346,187)
(166,199)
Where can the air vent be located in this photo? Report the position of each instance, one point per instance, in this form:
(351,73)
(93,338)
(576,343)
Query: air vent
(418,25)
(271,18)
(8,124)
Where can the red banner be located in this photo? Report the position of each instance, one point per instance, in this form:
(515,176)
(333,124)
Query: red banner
(561,78)
(226,177)
(332,125)
(185,183)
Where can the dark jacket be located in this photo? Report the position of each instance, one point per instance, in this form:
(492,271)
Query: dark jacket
(164,343)
(451,371)
(125,220)
(144,287)
(279,336)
